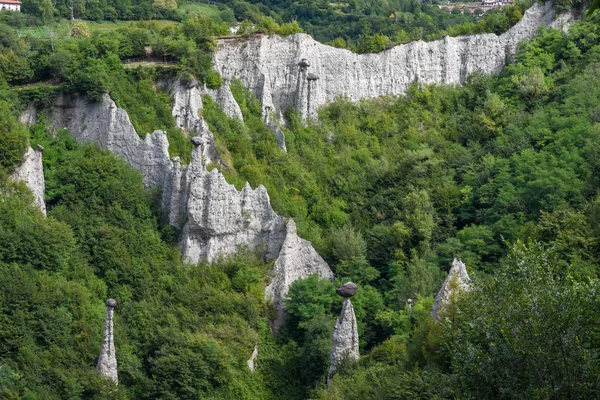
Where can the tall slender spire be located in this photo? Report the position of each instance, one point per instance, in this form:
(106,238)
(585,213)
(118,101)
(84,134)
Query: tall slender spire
(107,361)
(345,334)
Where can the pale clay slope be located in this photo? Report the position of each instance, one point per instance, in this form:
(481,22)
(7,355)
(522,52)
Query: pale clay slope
(269,65)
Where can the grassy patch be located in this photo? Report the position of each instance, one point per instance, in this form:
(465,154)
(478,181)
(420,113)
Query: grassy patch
(62,28)
(193,8)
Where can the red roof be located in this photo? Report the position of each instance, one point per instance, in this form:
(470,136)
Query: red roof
(10,2)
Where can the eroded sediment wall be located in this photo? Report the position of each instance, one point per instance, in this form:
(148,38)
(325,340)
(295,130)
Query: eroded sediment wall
(273,67)
(215,218)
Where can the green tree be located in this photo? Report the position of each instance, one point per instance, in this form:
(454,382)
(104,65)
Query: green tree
(350,250)
(166,4)
(13,138)
(528,330)
(90,79)
(81,29)
(309,298)
(533,85)
(373,44)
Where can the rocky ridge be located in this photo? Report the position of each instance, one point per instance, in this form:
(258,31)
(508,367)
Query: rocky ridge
(31,172)
(215,218)
(301,72)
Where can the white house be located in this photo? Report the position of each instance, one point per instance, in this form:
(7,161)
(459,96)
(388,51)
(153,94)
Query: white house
(493,3)
(10,5)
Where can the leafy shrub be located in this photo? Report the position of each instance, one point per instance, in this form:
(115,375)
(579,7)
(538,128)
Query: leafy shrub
(13,139)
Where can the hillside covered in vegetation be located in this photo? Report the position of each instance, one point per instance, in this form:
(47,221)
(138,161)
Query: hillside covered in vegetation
(502,172)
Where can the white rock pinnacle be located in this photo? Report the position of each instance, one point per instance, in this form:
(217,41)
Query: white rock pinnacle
(31,172)
(107,361)
(345,338)
(457,281)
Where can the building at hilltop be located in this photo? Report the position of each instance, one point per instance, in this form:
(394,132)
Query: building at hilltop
(483,5)
(10,5)
(496,3)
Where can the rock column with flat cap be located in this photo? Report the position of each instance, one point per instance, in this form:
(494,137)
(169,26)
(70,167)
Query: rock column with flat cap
(107,361)
(345,334)
(456,282)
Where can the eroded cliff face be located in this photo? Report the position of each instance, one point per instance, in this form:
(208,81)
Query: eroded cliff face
(187,100)
(301,72)
(31,171)
(109,126)
(219,218)
(215,218)
(297,260)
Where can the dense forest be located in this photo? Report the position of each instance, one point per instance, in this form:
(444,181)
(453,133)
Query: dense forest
(502,172)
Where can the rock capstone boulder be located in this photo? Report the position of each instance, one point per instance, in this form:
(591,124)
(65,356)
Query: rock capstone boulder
(348,289)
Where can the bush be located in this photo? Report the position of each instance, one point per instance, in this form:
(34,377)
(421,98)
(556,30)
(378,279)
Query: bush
(528,330)
(13,139)
(90,80)
(81,29)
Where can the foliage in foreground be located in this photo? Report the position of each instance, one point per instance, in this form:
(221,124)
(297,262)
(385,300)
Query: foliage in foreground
(182,332)
(528,331)
(389,190)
